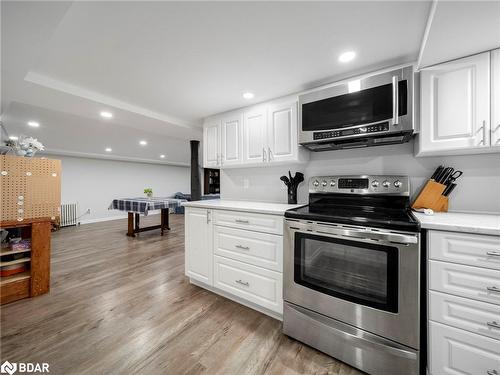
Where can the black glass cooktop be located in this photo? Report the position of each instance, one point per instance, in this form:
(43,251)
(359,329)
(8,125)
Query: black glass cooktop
(379,212)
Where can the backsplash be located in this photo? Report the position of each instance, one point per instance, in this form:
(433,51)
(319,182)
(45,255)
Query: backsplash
(478,189)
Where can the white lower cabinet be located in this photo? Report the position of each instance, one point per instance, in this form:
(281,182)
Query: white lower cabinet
(198,256)
(237,254)
(464,304)
(458,352)
(255,284)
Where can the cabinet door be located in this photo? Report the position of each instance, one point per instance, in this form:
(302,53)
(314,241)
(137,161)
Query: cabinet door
(495,98)
(231,139)
(198,256)
(455,109)
(282,132)
(211,136)
(255,136)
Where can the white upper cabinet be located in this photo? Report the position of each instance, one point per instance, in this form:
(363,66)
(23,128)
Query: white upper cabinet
(231,139)
(495,98)
(211,144)
(282,132)
(455,107)
(255,136)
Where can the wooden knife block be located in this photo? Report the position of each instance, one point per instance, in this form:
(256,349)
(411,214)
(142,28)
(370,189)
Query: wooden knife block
(432,197)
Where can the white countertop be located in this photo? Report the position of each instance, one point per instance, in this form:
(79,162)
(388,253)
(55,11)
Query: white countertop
(247,206)
(461,222)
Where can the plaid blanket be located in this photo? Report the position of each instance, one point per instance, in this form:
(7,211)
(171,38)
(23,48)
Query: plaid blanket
(143,205)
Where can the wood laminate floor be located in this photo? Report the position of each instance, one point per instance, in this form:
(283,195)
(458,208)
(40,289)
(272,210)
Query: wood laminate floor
(121,305)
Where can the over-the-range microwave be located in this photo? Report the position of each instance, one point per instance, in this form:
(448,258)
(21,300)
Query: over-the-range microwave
(371,111)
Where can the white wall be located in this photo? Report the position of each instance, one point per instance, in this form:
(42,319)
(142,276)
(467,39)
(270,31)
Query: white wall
(94,183)
(478,189)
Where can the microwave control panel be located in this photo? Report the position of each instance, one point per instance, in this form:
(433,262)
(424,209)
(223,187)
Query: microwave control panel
(347,132)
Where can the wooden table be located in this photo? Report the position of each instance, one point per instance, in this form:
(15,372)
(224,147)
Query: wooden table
(137,206)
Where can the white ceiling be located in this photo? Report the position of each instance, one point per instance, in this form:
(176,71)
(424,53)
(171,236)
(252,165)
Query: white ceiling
(161,67)
(461,28)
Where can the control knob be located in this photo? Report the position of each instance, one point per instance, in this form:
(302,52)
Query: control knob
(375,183)
(386,184)
(398,183)
(316,183)
(323,183)
(332,183)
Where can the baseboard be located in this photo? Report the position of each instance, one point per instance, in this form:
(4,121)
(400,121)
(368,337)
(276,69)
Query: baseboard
(239,300)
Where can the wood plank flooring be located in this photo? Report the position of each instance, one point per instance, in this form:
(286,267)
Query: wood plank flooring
(121,305)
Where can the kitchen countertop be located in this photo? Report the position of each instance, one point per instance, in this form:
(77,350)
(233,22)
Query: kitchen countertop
(247,206)
(461,222)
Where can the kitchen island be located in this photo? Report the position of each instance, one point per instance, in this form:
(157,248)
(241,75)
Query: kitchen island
(235,249)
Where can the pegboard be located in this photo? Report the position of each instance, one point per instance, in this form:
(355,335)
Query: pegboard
(31,188)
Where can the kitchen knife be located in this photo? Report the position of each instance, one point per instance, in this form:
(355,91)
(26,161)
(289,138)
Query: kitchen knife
(446,174)
(449,189)
(437,172)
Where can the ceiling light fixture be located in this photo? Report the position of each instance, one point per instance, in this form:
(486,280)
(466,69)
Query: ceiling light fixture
(108,149)
(143,143)
(347,56)
(162,156)
(33,124)
(106,114)
(13,138)
(248,95)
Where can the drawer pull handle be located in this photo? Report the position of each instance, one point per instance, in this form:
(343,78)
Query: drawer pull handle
(493,324)
(242,247)
(492,372)
(242,282)
(241,221)
(493,253)
(493,289)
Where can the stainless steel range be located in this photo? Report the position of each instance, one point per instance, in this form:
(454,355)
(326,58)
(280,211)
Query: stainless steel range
(352,273)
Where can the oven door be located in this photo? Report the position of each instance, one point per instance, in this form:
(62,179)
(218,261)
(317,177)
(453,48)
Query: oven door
(369,279)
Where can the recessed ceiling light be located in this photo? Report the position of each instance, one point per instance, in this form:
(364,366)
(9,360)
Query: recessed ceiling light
(347,56)
(248,95)
(108,149)
(143,143)
(162,156)
(106,114)
(33,124)
(13,138)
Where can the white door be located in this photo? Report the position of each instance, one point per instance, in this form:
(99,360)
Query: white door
(455,106)
(495,98)
(231,139)
(198,256)
(282,132)
(211,144)
(255,136)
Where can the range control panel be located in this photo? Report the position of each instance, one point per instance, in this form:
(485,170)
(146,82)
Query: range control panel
(347,132)
(380,184)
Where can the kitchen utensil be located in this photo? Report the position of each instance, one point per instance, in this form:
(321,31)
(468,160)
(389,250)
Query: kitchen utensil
(449,189)
(453,177)
(437,172)
(444,176)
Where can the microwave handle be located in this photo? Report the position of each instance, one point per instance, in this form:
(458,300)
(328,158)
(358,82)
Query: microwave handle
(395,100)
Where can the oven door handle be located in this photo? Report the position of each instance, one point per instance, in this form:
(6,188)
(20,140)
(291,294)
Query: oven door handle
(395,100)
(361,234)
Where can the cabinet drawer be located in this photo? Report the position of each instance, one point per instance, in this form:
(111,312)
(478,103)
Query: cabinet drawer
(474,316)
(454,351)
(260,249)
(245,220)
(465,281)
(469,249)
(255,284)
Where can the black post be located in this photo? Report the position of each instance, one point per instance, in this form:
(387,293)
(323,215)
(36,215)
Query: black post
(195,172)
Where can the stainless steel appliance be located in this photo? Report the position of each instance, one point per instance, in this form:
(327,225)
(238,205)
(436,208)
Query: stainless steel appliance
(352,273)
(370,111)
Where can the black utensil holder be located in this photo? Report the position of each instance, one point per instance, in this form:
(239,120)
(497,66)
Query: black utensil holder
(292,195)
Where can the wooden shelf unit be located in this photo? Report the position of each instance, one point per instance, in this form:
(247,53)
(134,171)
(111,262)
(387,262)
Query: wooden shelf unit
(35,280)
